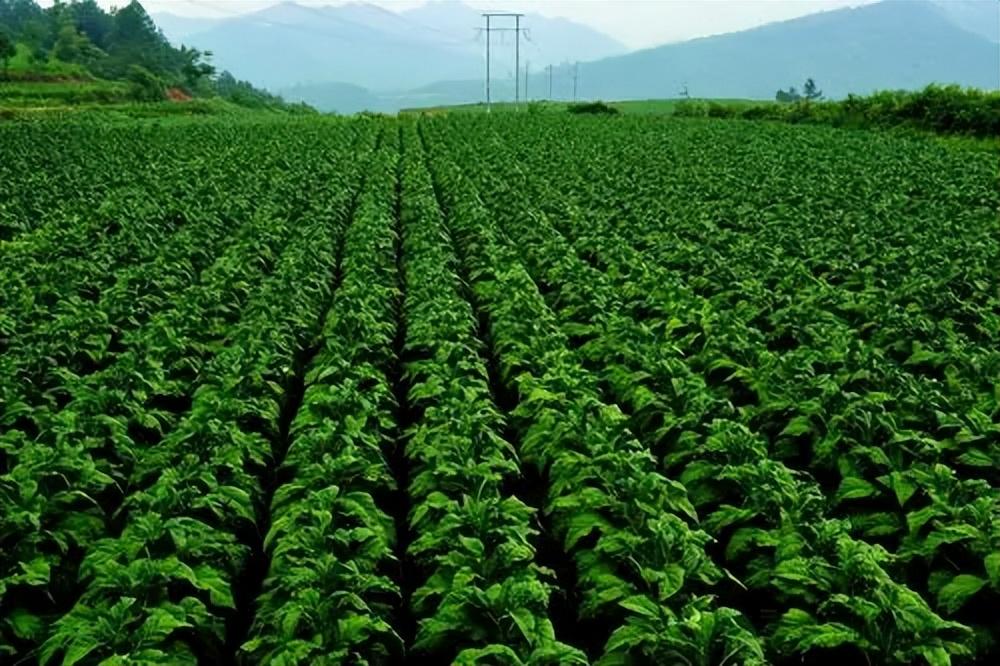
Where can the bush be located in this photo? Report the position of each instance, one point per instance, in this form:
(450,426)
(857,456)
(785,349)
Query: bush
(596,108)
(144,86)
(691,109)
(760,112)
(717,110)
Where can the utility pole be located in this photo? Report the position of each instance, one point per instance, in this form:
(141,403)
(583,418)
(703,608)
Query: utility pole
(576,77)
(517,59)
(517,52)
(489,106)
(550,83)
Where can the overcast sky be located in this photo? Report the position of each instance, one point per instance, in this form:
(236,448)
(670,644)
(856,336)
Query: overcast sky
(637,23)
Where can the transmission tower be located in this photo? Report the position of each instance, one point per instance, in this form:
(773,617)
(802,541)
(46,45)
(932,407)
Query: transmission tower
(517,30)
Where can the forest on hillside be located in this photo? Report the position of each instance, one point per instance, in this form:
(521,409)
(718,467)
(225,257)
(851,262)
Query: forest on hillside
(80,40)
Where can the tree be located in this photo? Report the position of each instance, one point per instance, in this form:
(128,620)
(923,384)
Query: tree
(788,96)
(14,14)
(196,68)
(134,33)
(37,35)
(810,91)
(7,50)
(92,21)
(70,44)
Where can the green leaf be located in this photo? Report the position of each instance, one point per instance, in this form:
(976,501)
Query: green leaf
(525,621)
(25,625)
(796,617)
(901,486)
(936,656)
(162,622)
(36,571)
(800,425)
(977,458)
(207,578)
(992,563)
(952,596)
(474,546)
(621,641)
(81,646)
(582,524)
(490,655)
(641,605)
(854,488)
(670,580)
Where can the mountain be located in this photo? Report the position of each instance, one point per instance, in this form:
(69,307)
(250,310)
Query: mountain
(979,16)
(546,40)
(889,45)
(178,28)
(364,45)
(288,44)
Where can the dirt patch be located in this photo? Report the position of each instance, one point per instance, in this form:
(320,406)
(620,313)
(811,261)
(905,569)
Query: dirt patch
(178,95)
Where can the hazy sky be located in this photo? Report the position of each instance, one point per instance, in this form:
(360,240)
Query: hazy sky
(637,23)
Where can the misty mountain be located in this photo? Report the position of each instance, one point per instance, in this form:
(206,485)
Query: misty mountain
(896,44)
(178,28)
(979,16)
(546,40)
(365,45)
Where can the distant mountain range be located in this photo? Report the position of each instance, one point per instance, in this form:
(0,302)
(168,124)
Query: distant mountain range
(365,45)
(356,57)
(894,44)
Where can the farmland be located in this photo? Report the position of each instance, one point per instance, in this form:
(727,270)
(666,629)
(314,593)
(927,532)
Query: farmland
(509,389)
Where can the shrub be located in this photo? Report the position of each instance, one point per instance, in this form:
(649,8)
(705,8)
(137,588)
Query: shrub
(597,108)
(691,109)
(144,86)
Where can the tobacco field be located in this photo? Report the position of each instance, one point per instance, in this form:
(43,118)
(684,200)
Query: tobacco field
(521,389)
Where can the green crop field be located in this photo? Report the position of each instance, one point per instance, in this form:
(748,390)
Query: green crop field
(509,389)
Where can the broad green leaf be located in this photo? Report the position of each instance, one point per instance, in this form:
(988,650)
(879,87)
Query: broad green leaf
(800,425)
(901,486)
(641,605)
(82,645)
(992,563)
(953,596)
(525,621)
(854,488)
(36,571)
(582,524)
(25,625)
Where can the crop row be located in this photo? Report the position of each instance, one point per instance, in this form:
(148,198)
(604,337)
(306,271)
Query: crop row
(641,567)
